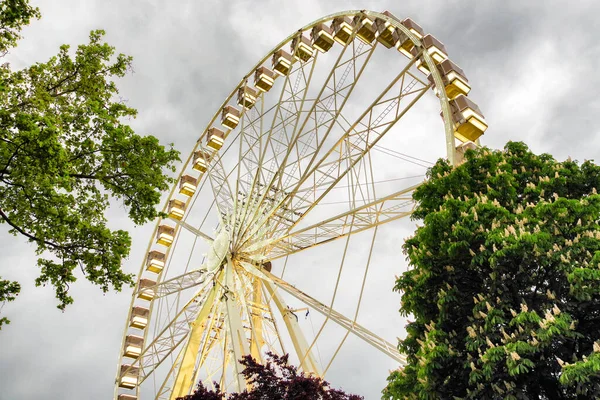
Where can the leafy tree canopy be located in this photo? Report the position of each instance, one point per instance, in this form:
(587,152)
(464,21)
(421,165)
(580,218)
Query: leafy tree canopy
(275,380)
(505,281)
(65,152)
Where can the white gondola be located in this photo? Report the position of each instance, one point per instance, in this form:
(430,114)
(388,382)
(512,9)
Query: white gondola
(128,378)
(155,262)
(165,235)
(247,96)
(342,30)
(282,62)
(133,346)
(461,149)
(436,50)
(413,27)
(176,209)
(230,117)
(386,33)
(405,45)
(264,79)
(201,159)
(188,185)
(454,79)
(215,138)
(139,317)
(469,122)
(146,289)
(301,48)
(365,28)
(322,38)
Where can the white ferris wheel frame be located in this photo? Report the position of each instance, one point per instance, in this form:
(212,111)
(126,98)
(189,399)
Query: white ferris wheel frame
(219,276)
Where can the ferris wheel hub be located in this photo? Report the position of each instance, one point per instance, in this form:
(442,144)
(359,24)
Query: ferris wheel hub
(218,251)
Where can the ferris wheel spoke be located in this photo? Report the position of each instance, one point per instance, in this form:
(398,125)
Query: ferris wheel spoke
(285,115)
(220,185)
(191,229)
(351,148)
(390,208)
(185,374)
(308,362)
(328,105)
(379,117)
(172,336)
(278,136)
(250,297)
(267,331)
(235,329)
(250,139)
(343,321)
(310,136)
(327,95)
(163,393)
(177,284)
(212,338)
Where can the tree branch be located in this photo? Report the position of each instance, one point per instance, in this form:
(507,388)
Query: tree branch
(100,178)
(5,169)
(30,236)
(66,78)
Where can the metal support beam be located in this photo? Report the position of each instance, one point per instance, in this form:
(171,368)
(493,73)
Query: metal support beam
(238,342)
(179,283)
(309,364)
(343,321)
(184,379)
(389,208)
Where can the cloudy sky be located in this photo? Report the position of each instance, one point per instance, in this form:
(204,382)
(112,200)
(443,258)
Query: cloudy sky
(532,66)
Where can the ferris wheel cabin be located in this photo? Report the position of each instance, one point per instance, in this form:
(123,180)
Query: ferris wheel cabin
(342,30)
(176,209)
(301,48)
(201,159)
(133,346)
(387,34)
(155,262)
(247,97)
(322,38)
(230,117)
(215,138)
(188,185)
(366,29)
(454,79)
(165,235)
(436,50)
(468,119)
(146,289)
(406,45)
(129,376)
(139,317)
(282,62)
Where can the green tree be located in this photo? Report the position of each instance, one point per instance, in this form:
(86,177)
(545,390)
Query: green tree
(65,152)
(504,287)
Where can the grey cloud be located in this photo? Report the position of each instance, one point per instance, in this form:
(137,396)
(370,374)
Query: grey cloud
(531,65)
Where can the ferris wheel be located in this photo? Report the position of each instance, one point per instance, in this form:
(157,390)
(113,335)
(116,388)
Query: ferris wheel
(281,199)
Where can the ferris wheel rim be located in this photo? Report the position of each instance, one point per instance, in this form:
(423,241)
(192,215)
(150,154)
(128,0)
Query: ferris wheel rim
(446,115)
